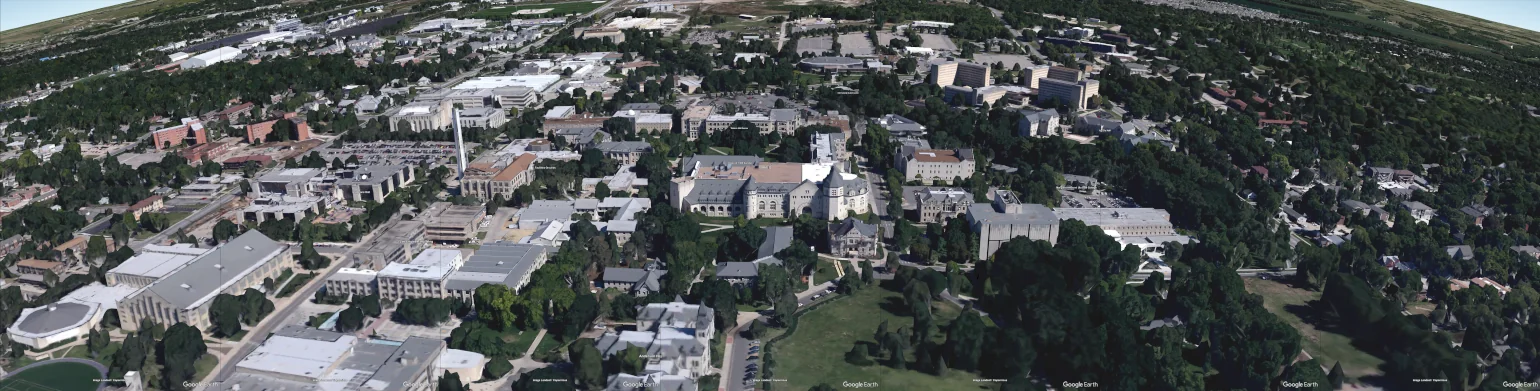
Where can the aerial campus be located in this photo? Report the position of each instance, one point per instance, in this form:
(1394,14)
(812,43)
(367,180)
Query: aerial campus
(661,195)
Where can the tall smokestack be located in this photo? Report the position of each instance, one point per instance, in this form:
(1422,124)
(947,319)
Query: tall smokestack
(459,144)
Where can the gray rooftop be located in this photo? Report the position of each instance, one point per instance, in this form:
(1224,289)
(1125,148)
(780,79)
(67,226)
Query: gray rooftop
(776,239)
(715,191)
(1030,214)
(54,317)
(291,175)
(372,174)
(844,227)
(200,279)
(547,210)
(648,279)
(641,107)
(496,263)
(737,270)
(717,160)
(624,147)
(783,115)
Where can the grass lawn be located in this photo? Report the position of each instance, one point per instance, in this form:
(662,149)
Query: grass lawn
(816,352)
(318,319)
(1289,304)
(295,284)
(204,365)
(520,341)
(576,7)
(718,151)
(811,78)
(824,272)
(62,376)
(82,351)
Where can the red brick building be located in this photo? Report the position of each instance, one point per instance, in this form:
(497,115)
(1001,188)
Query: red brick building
(257,132)
(191,129)
(203,152)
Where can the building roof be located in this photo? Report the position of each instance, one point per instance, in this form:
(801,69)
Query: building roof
(547,210)
(938,155)
(516,167)
(718,161)
(369,175)
(38,264)
(200,279)
(430,264)
(1034,214)
(645,278)
(832,61)
(677,314)
(52,318)
(300,357)
(496,263)
(845,227)
(737,270)
(624,147)
(642,106)
(776,239)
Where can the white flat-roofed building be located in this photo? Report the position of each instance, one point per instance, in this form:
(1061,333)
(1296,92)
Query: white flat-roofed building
(1126,221)
(534,82)
(419,116)
(352,281)
(506,263)
(211,57)
(151,263)
(297,359)
(423,278)
(306,359)
(448,25)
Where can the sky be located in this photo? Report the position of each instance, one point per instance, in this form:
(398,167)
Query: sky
(1517,13)
(17,13)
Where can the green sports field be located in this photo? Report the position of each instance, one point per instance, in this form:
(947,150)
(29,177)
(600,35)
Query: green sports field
(62,376)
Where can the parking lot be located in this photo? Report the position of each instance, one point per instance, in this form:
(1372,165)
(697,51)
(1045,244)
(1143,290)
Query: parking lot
(815,45)
(856,45)
(1070,199)
(937,42)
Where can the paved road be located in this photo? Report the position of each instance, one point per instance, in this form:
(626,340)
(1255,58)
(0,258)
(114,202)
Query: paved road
(736,363)
(93,364)
(219,202)
(259,334)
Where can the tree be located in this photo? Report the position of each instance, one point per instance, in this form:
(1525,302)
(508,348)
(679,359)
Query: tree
(255,306)
(588,362)
(451,382)
(784,308)
(350,320)
(1335,377)
(601,191)
(1307,375)
(225,315)
(868,274)
(858,356)
(544,379)
(96,341)
(180,349)
(496,369)
(773,282)
(370,304)
(495,304)
(96,249)
(579,315)
(497,202)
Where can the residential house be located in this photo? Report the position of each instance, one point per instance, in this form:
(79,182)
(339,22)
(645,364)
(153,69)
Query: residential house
(853,238)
